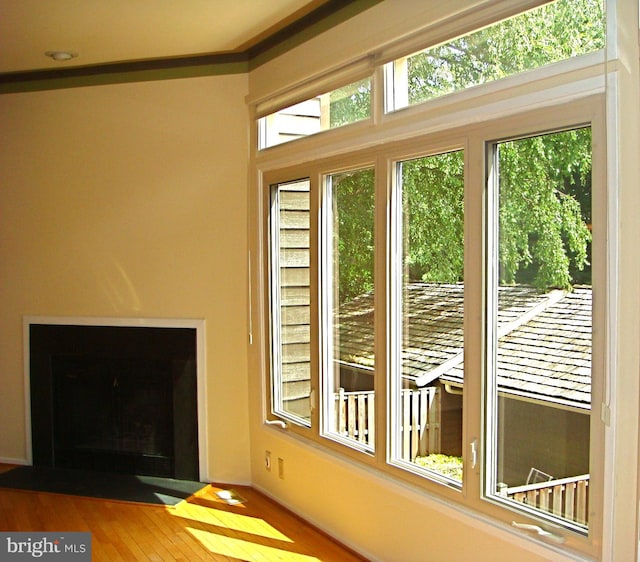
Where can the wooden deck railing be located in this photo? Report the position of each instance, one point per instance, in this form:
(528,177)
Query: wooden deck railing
(420,419)
(355,415)
(567,498)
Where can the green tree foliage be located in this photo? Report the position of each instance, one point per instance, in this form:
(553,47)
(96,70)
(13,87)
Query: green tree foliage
(548,34)
(545,181)
(350,103)
(544,209)
(353,195)
(433,217)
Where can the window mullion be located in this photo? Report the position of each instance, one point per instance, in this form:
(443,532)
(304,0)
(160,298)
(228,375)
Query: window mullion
(382,305)
(489,395)
(475,246)
(315,281)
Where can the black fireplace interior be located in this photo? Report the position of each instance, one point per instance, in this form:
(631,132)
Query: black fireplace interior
(116,399)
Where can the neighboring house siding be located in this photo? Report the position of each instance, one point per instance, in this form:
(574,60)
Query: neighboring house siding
(300,120)
(295,296)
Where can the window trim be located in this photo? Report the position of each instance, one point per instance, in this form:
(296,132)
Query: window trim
(561,82)
(561,93)
(472,140)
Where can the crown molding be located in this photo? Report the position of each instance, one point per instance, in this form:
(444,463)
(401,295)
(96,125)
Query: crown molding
(327,15)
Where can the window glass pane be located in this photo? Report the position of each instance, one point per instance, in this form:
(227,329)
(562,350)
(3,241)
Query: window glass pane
(290,294)
(427,377)
(551,33)
(540,363)
(342,106)
(348,264)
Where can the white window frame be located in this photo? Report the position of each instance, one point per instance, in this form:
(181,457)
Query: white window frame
(395,255)
(327,300)
(564,95)
(275,309)
(589,112)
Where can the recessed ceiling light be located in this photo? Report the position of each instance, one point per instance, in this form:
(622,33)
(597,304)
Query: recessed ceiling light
(61,56)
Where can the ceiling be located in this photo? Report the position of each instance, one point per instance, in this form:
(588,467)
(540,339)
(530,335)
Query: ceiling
(108,32)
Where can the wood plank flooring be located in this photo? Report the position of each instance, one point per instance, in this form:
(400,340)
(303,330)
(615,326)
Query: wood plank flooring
(200,528)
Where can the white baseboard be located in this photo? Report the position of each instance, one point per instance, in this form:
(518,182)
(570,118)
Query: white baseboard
(7,460)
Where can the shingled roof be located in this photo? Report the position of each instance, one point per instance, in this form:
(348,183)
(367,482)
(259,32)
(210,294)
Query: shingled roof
(544,351)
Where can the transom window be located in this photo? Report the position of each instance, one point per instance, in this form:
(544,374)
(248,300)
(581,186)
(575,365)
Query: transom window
(554,32)
(339,107)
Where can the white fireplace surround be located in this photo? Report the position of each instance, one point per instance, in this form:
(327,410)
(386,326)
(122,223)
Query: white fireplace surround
(197,324)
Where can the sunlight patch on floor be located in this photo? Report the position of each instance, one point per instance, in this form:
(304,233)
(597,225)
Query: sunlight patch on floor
(228,520)
(246,550)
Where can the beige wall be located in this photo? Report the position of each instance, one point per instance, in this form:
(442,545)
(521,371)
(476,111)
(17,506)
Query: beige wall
(383,520)
(129,201)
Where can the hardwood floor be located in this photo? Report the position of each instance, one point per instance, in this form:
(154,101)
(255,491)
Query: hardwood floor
(200,528)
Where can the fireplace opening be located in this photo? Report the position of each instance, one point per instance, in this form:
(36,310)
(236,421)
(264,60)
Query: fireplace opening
(114,415)
(116,399)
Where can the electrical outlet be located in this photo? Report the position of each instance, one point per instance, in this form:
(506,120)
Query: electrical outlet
(280,468)
(267,461)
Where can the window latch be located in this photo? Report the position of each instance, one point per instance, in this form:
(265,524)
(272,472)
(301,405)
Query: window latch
(540,531)
(474,453)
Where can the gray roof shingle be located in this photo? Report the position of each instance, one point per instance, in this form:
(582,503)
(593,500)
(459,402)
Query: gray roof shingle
(544,350)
